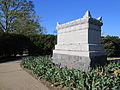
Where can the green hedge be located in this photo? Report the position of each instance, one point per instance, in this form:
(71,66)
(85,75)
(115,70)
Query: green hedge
(34,44)
(41,44)
(12,44)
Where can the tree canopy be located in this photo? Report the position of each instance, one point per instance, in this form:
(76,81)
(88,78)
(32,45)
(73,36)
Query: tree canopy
(18,16)
(111,45)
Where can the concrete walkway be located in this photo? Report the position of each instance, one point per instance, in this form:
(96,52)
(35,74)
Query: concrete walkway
(12,77)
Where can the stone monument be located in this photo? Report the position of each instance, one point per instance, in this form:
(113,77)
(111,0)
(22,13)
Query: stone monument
(78,43)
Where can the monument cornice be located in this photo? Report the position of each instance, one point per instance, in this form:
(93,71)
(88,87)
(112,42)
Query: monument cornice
(72,23)
(95,21)
(79,22)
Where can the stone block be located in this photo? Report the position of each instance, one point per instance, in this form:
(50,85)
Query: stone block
(82,63)
(78,44)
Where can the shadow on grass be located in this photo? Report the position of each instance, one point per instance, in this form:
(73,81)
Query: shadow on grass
(11,58)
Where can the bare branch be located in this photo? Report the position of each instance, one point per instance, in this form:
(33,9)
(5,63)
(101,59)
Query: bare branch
(2,26)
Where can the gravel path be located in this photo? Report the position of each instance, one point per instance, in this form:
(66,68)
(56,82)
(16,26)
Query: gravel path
(12,77)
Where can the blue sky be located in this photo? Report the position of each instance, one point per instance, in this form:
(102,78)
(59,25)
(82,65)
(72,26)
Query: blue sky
(52,11)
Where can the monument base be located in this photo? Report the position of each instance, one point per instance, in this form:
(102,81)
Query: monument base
(82,63)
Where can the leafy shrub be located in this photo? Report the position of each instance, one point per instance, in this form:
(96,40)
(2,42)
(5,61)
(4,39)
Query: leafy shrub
(35,44)
(41,44)
(12,44)
(106,78)
(112,46)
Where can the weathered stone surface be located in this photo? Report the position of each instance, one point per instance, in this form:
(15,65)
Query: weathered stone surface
(72,61)
(82,63)
(78,43)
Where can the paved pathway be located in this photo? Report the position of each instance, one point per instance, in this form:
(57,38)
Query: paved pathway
(12,77)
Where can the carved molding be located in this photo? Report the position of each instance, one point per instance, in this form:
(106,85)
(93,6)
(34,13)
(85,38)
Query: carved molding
(79,22)
(74,30)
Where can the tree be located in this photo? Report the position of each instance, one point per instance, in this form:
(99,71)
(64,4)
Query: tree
(1,29)
(26,26)
(112,46)
(18,16)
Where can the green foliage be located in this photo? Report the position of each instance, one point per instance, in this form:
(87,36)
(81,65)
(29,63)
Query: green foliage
(18,16)
(112,46)
(12,44)
(42,44)
(101,78)
(34,44)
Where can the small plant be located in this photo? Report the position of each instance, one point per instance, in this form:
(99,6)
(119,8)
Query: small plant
(101,78)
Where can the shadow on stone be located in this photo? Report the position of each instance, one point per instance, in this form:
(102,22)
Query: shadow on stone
(97,61)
